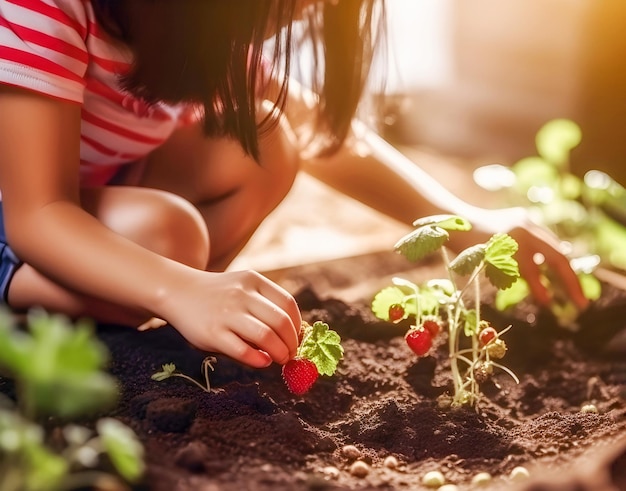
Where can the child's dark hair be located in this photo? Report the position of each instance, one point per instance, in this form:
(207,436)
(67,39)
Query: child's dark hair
(211,52)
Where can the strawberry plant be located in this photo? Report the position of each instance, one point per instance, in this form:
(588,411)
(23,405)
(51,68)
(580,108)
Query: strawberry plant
(444,302)
(57,371)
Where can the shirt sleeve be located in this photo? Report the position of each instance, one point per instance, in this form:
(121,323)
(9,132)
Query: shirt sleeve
(43,46)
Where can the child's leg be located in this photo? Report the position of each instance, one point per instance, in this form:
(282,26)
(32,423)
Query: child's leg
(159,221)
(232,191)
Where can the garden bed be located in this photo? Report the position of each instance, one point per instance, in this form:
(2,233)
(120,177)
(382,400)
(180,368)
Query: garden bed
(380,407)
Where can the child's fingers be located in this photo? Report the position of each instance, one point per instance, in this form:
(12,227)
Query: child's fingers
(152,323)
(279,322)
(264,337)
(282,299)
(233,346)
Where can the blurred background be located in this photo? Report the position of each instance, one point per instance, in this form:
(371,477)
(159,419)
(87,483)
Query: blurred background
(469,83)
(478,78)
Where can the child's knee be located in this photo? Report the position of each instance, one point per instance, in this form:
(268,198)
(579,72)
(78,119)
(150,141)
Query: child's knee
(179,231)
(157,220)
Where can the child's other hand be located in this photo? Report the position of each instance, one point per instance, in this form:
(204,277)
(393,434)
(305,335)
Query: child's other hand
(241,314)
(539,248)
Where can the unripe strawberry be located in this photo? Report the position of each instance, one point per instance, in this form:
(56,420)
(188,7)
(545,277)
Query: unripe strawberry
(497,348)
(300,374)
(419,340)
(396,312)
(486,335)
(432,326)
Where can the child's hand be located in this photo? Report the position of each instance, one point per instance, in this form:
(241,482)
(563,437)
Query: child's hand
(240,314)
(538,246)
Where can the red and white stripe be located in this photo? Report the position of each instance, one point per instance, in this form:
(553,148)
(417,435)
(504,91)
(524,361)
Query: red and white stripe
(55,47)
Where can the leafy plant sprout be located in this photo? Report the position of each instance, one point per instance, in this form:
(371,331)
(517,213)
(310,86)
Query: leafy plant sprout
(169,370)
(58,372)
(442,301)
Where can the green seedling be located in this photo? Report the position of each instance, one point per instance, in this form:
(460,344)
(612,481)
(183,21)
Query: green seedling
(169,370)
(442,302)
(58,372)
(588,214)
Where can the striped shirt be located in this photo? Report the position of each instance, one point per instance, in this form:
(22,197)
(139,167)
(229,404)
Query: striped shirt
(56,48)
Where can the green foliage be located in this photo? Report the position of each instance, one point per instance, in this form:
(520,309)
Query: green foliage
(57,369)
(588,212)
(322,346)
(442,300)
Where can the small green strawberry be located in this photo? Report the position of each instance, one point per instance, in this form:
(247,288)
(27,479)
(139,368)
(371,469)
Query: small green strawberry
(300,374)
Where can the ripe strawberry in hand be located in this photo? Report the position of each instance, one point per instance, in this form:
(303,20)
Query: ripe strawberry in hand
(419,340)
(300,374)
(319,353)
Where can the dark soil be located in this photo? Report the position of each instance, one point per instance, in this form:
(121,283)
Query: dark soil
(252,434)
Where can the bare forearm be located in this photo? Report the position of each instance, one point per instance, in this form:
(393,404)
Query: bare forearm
(83,255)
(375,173)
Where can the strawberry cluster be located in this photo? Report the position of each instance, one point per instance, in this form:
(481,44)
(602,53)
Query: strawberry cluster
(418,338)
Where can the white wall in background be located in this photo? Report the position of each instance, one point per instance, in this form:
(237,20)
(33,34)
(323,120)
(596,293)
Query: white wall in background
(420,52)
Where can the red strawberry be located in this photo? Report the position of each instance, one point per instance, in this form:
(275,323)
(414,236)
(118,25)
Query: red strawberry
(419,340)
(486,335)
(300,374)
(432,326)
(396,312)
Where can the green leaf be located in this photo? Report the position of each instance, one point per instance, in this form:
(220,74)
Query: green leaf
(591,286)
(15,355)
(513,295)
(323,347)
(62,376)
(123,448)
(468,260)
(447,222)
(470,323)
(421,242)
(556,139)
(22,442)
(501,268)
(167,371)
(533,172)
(72,395)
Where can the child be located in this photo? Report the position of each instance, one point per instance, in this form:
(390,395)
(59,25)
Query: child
(143,141)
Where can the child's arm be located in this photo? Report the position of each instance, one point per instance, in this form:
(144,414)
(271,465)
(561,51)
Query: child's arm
(240,314)
(372,171)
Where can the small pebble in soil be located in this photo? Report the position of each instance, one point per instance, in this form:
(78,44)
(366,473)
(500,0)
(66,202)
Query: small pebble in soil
(359,469)
(390,462)
(433,479)
(448,487)
(351,452)
(481,479)
(519,473)
(589,408)
(331,472)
